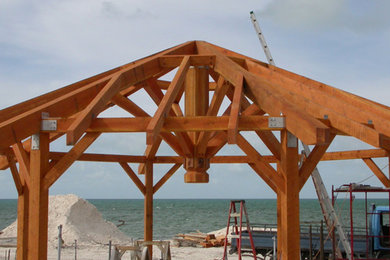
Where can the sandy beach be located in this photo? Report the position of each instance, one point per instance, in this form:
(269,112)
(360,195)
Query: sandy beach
(101,253)
(81,221)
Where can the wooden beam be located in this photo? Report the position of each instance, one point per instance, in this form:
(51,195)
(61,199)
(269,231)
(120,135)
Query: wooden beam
(328,156)
(118,82)
(133,177)
(354,154)
(270,141)
(377,171)
(219,140)
(173,124)
(148,205)
(219,95)
(22,225)
(24,120)
(311,163)
(94,157)
(22,126)
(172,141)
(150,153)
(307,128)
(280,226)
(29,105)
(24,163)
(38,200)
(267,180)
(366,105)
(24,107)
(196,99)
(342,115)
(129,106)
(155,125)
(166,177)
(290,197)
(234,113)
(213,109)
(15,175)
(154,90)
(173,61)
(156,94)
(268,173)
(65,162)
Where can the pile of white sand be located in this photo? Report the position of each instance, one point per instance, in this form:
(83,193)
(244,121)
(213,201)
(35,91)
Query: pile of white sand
(80,221)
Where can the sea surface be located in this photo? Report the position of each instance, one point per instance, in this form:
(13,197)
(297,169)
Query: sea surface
(173,216)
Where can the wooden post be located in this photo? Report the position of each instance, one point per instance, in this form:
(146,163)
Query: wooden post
(289,199)
(22,232)
(196,104)
(148,205)
(279,226)
(196,94)
(279,219)
(38,198)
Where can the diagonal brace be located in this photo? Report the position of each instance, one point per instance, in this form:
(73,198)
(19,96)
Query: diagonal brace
(68,159)
(165,105)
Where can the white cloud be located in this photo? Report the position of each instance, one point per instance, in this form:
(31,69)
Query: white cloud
(47,44)
(319,16)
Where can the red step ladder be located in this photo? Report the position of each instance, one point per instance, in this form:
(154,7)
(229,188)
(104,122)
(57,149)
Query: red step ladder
(238,229)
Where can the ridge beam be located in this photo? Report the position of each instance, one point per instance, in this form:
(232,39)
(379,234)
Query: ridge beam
(173,61)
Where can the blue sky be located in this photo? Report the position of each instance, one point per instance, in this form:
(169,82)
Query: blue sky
(48,44)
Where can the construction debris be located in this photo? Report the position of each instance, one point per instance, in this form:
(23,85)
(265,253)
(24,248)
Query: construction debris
(198,240)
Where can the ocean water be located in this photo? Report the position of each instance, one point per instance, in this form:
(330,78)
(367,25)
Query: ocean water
(173,216)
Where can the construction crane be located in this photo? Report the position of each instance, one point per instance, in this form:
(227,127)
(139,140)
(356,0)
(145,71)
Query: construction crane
(330,216)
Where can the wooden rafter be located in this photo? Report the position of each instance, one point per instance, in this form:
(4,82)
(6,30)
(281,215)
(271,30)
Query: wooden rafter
(235,112)
(342,115)
(117,82)
(22,120)
(150,153)
(312,111)
(213,109)
(156,94)
(308,129)
(165,105)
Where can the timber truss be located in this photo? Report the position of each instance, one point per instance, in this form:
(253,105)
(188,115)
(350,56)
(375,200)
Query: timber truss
(190,119)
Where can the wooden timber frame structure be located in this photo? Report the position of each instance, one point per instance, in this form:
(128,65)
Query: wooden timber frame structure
(262,98)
